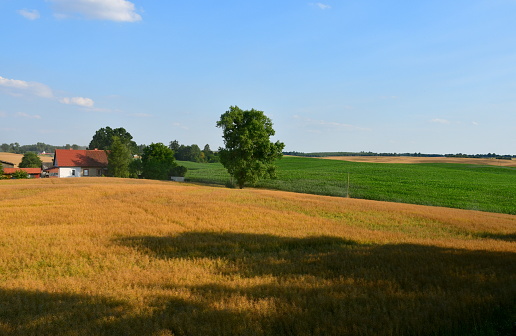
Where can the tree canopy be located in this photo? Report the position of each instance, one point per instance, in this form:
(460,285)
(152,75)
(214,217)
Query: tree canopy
(103,139)
(157,162)
(248,154)
(119,158)
(30,160)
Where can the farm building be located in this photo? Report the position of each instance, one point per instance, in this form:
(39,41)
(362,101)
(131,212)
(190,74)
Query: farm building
(78,163)
(6,164)
(33,172)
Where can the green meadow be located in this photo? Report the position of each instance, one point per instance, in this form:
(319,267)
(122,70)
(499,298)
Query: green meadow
(464,186)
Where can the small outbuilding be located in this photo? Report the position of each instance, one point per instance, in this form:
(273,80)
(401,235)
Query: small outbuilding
(33,172)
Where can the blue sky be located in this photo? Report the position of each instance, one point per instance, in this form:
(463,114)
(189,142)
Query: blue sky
(347,75)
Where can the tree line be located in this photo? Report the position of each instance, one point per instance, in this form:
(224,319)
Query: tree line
(248,154)
(476,156)
(39,147)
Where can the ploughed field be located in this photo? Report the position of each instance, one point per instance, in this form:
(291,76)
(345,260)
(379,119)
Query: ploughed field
(465,186)
(105,256)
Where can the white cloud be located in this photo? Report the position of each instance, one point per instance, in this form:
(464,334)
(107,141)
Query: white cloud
(17,87)
(321,5)
(112,10)
(440,121)
(86,102)
(475,123)
(28,116)
(29,14)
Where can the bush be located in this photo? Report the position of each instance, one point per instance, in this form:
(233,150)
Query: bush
(179,171)
(20,174)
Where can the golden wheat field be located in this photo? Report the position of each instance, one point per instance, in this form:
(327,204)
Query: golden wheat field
(409,159)
(16,158)
(106,256)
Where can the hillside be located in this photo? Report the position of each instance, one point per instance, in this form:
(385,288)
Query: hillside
(111,256)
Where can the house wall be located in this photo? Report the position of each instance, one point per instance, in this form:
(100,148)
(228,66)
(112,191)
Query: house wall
(67,171)
(94,171)
(80,171)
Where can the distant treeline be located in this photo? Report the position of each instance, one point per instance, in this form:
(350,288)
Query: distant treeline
(326,154)
(193,153)
(40,147)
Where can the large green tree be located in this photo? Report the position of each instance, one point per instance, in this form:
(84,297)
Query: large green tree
(103,139)
(30,160)
(119,158)
(248,154)
(157,162)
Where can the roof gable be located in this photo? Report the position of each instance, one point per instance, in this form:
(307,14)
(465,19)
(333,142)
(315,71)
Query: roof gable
(80,158)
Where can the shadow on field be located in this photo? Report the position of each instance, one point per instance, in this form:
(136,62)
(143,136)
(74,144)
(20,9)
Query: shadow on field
(291,286)
(333,286)
(510,237)
(39,313)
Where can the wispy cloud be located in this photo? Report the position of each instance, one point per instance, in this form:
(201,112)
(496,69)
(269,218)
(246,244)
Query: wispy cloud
(29,14)
(28,116)
(17,87)
(111,10)
(441,121)
(80,101)
(20,88)
(321,5)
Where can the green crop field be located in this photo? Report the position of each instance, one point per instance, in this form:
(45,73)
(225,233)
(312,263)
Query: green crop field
(465,186)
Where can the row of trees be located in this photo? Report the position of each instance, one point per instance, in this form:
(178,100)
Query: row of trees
(248,154)
(124,160)
(37,148)
(193,153)
(325,154)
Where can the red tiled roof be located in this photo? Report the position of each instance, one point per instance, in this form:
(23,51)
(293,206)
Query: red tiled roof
(28,170)
(80,158)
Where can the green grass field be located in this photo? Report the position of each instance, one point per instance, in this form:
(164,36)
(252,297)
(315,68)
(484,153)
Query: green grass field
(465,186)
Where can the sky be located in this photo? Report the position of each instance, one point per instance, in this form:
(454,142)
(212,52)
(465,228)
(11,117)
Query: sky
(337,75)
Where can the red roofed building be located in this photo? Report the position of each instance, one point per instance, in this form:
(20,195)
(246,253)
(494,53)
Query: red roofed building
(79,163)
(33,172)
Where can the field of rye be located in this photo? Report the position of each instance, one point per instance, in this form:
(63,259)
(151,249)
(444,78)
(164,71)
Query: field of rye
(105,256)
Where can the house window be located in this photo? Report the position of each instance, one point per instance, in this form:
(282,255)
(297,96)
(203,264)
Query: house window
(99,172)
(86,172)
(73,172)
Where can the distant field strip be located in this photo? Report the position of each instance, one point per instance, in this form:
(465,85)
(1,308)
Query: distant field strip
(411,159)
(465,186)
(106,256)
